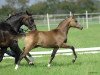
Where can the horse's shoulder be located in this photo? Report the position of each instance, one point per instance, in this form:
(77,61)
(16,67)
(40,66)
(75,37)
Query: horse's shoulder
(55,31)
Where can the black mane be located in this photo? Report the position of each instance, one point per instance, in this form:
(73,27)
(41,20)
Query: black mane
(16,14)
(7,27)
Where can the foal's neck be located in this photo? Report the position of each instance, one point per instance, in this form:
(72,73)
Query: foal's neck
(64,26)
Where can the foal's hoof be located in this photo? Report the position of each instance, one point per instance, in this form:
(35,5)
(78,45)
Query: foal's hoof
(16,67)
(31,63)
(48,65)
(73,61)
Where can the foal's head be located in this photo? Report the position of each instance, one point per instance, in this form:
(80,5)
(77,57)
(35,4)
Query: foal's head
(74,23)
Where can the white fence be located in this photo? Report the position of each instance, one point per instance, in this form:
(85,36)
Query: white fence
(67,51)
(50,20)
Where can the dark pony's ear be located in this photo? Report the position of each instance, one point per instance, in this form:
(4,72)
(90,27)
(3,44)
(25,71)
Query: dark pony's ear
(28,13)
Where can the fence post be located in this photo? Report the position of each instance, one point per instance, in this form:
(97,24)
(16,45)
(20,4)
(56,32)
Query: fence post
(83,21)
(70,13)
(86,19)
(48,22)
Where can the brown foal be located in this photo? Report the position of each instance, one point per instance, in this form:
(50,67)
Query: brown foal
(55,39)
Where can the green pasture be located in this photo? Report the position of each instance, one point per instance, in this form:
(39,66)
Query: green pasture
(87,64)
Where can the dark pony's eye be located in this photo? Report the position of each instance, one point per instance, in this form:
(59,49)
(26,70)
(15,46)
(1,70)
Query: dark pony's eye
(31,19)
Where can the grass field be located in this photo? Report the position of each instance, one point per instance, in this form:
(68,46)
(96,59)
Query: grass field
(88,64)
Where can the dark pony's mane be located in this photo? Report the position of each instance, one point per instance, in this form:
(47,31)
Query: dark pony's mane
(16,14)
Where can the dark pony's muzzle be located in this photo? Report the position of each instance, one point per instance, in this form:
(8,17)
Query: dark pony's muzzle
(33,27)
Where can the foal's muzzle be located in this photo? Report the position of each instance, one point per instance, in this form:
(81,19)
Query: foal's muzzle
(81,28)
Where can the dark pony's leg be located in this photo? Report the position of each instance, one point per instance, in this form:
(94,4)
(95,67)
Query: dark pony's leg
(73,49)
(2,51)
(52,56)
(10,53)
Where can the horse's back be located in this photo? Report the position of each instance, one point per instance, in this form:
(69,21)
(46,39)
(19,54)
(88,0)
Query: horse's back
(42,38)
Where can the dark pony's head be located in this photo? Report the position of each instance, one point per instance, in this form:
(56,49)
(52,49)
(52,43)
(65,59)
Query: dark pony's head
(16,20)
(28,21)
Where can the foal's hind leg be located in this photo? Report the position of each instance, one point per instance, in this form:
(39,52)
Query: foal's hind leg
(29,59)
(52,56)
(73,49)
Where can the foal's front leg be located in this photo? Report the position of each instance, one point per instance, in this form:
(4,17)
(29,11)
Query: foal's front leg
(73,49)
(52,56)
(24,53)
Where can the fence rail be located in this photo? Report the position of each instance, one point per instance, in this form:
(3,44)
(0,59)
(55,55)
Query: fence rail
(67,51)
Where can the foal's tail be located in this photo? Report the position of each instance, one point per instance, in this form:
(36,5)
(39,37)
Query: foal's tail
(19,36)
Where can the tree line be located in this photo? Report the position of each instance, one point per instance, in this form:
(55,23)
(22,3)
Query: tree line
(50,6)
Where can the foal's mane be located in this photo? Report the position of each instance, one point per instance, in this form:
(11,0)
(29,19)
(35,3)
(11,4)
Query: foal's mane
(61,22)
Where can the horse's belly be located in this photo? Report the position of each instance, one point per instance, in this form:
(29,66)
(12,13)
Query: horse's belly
(47,43)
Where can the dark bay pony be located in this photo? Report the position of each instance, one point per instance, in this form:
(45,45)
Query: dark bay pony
(11,27)
(56,38)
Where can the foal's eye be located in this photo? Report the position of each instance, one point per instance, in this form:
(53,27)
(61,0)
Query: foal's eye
(75,21)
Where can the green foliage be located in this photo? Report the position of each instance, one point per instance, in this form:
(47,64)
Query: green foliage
(6,10)
(39,8)
(53,6)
